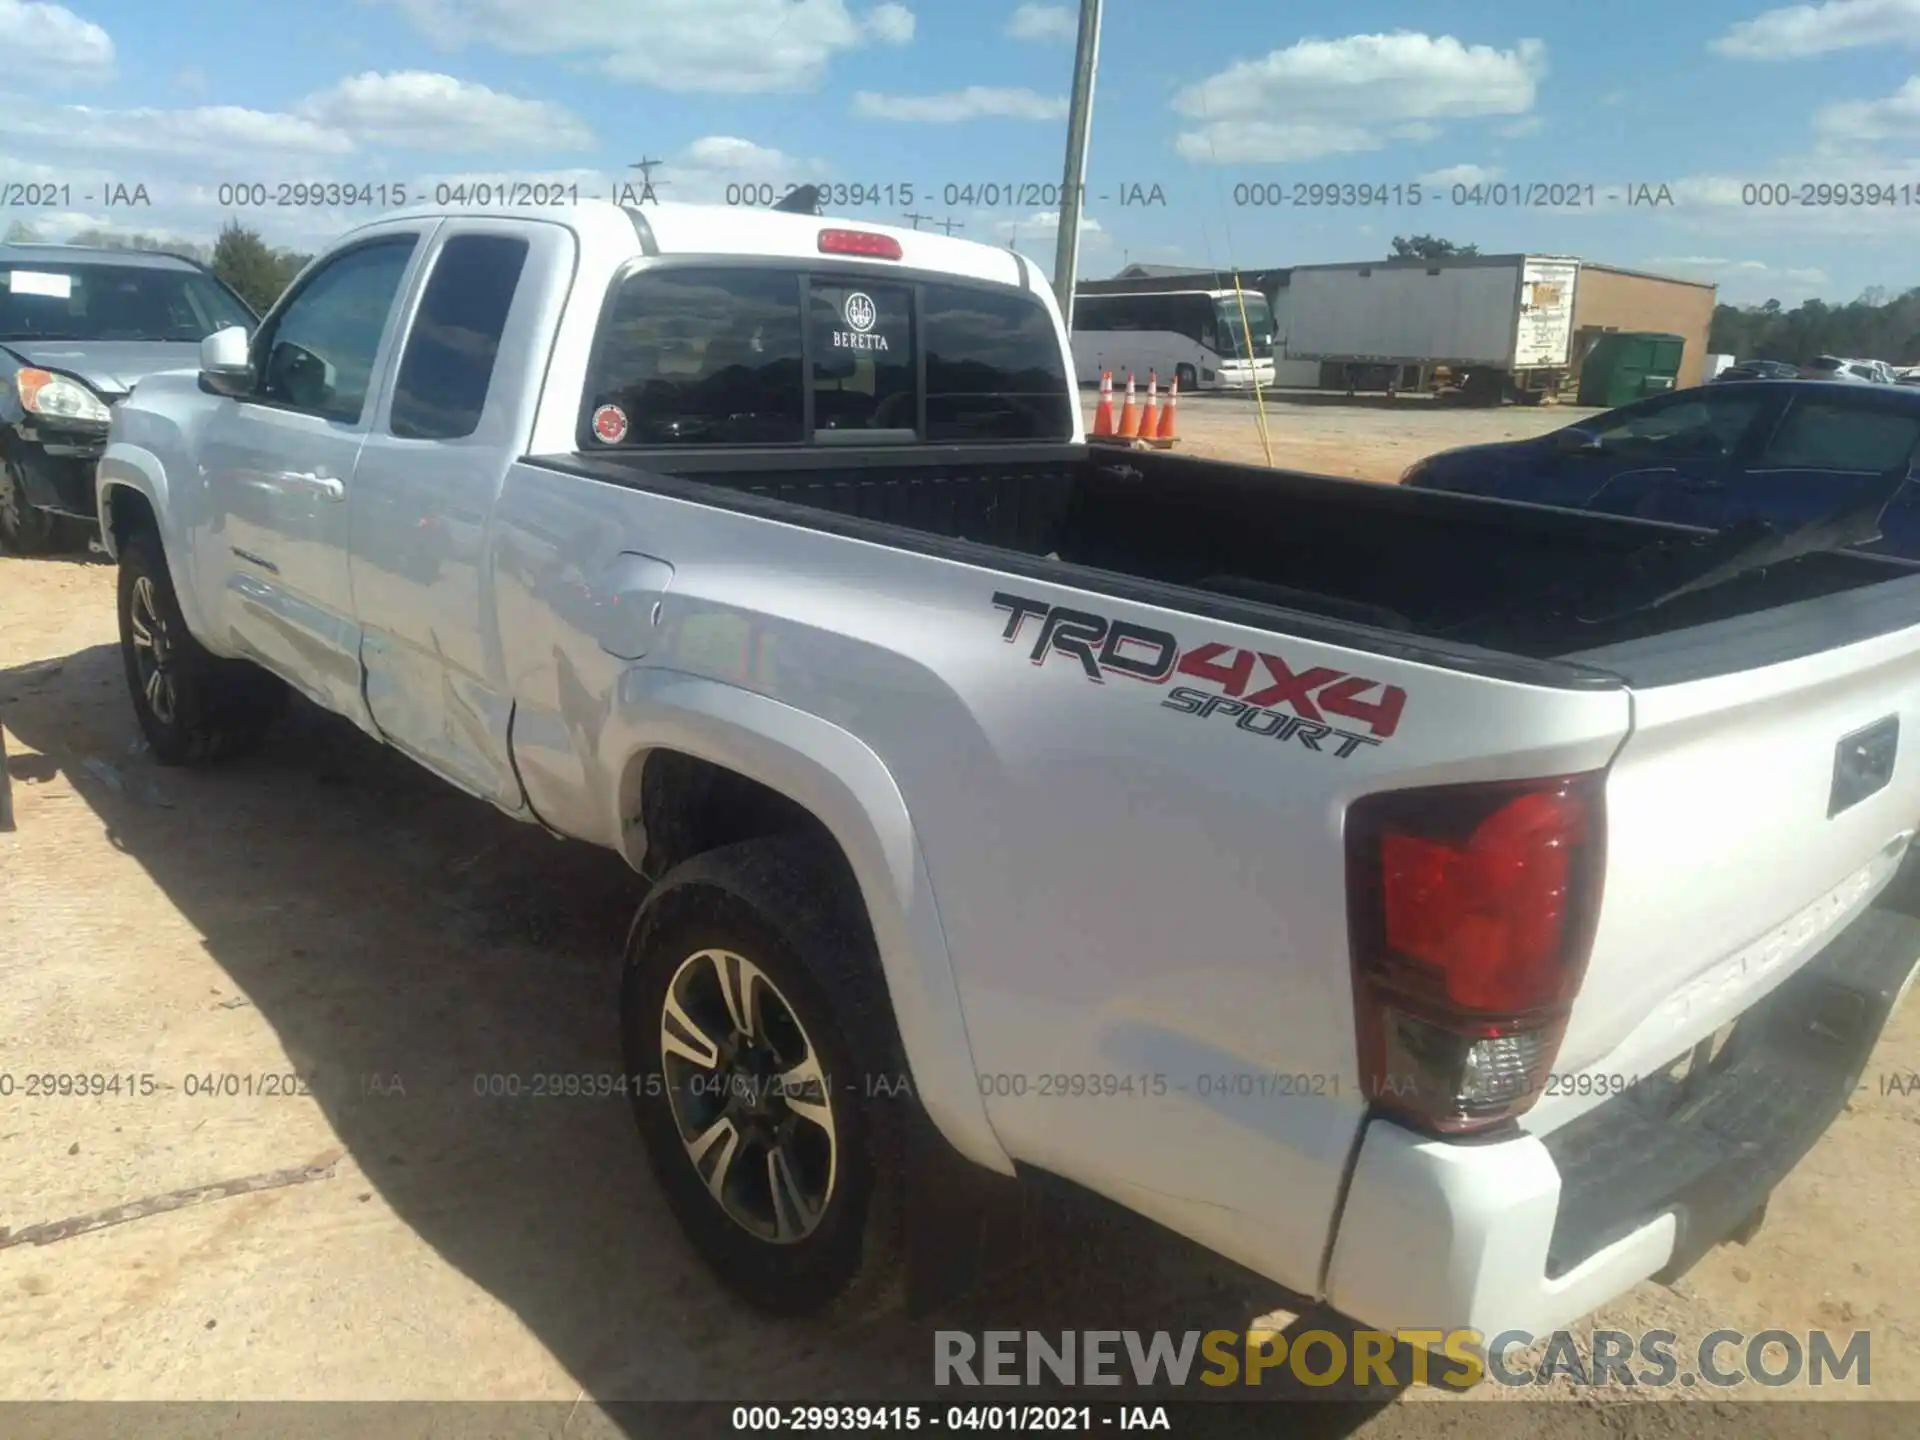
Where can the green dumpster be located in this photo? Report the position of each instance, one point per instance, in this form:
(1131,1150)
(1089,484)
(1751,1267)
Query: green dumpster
(1625,366)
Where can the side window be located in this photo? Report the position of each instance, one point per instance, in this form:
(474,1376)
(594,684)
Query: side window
(448,363)
(318,354)
(1091,313)
(699,356)
(1829,435)
(994,370)
(1686,427)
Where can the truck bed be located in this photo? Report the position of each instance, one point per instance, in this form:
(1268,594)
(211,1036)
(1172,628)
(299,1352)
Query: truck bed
(1431,576)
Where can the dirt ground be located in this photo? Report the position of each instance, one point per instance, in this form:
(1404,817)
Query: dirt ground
(1366,438)
(324,910)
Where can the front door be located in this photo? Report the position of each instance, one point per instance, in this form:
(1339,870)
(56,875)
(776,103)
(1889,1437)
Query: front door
(280,464)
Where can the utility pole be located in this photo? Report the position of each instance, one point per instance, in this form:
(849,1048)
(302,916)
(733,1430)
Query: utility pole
(646,167)
(950,225)
(1086,62)
(916,218)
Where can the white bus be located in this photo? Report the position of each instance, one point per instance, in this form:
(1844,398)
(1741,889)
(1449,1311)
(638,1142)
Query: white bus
(1195,335)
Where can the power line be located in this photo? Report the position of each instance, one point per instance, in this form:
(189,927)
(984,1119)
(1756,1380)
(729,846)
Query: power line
(916,218)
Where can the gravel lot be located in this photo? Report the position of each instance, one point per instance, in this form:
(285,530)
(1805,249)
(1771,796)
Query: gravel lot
(323,909)
(1366,438)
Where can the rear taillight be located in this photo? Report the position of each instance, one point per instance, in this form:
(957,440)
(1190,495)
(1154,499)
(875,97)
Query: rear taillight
(1470,913)
(864,243)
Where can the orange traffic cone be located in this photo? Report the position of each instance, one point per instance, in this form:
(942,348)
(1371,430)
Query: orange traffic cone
(1150,415)
(1129,414)
(1165,432)
(1103,416)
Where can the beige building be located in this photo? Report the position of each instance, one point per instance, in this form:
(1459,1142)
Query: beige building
(1606,297)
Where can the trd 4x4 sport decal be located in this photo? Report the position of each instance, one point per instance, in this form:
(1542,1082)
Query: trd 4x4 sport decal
(1243,686)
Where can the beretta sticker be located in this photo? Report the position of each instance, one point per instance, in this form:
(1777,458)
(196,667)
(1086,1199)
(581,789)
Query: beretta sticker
(610,424)
(861,315)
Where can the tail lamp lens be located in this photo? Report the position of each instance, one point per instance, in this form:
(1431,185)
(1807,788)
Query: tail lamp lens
(1471,918)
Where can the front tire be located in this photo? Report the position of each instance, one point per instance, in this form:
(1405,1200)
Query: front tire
(766,1077)
(192,706)
(24,530)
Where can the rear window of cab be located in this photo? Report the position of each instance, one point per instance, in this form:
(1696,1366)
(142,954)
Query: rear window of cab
(756,355)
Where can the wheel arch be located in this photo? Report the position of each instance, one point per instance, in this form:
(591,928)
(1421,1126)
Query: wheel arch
(130,490)
(674,737)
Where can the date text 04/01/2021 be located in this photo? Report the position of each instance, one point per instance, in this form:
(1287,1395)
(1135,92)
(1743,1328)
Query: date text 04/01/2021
(1066,1419)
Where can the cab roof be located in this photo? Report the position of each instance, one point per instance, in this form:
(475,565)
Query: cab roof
(674,228)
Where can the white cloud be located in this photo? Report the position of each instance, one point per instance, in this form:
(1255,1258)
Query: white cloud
(723,169)
(1462,175)
(417,110)
(972,103)
(1794,32)
(890,24)
(1353,94)
(51,44)
(1046,222)
(719,46)
(731,153)
(230,138)
(1043,23)
(1240,141)
(1897,117)
(1738,278)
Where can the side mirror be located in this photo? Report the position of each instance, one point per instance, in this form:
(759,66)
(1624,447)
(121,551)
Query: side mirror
(225,362)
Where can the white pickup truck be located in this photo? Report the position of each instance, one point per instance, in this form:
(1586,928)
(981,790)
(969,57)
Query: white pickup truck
(1340,875)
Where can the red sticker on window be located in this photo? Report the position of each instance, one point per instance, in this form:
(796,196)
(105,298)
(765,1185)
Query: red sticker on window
(610,424)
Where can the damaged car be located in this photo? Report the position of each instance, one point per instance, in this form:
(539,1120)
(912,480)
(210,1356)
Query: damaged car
(79,327)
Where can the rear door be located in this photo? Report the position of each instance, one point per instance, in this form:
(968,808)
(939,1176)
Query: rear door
(1827,447)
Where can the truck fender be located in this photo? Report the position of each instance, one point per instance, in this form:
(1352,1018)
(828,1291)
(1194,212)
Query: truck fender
(130,467)
(849,789)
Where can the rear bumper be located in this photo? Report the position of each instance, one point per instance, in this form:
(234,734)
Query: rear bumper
(1529,1233)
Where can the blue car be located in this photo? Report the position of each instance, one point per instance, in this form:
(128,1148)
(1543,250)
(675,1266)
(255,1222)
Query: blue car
(1783,451)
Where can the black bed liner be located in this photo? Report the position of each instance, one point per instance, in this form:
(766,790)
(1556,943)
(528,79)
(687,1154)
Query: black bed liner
(1424,575)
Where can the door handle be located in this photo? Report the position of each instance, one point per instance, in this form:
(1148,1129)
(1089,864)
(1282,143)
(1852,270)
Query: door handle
(326,487)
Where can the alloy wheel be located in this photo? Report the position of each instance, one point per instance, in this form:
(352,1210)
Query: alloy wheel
(752,1105)
(152,651)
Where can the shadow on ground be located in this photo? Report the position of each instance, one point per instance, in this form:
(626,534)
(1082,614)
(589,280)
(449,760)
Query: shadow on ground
(398,935)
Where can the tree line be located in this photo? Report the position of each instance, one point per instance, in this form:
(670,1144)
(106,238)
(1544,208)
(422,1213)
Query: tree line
(1873,327)
(257,272)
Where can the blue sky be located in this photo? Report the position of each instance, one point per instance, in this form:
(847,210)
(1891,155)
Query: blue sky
(1203,101)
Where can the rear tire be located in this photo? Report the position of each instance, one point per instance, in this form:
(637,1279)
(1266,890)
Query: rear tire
(24,530)
(752,979)
(192,706)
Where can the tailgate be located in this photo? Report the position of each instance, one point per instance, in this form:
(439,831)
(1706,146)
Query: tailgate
(1749,816)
